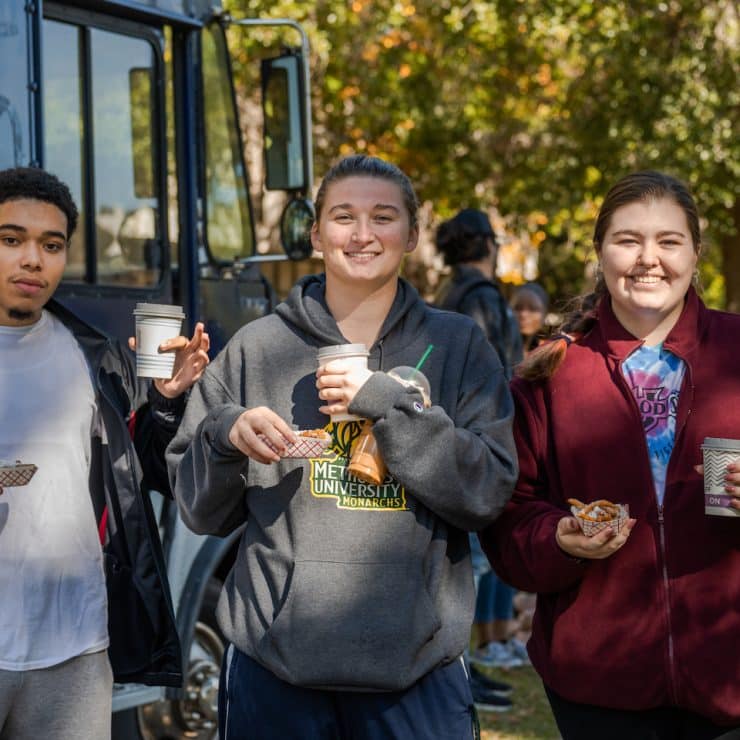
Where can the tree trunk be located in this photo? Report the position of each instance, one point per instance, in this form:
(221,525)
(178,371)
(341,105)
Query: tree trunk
(731,263)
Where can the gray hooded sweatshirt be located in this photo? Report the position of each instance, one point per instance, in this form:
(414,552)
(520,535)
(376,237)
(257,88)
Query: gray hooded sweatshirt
(339,584)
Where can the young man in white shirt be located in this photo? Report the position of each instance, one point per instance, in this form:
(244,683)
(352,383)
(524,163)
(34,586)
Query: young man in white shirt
(84,591)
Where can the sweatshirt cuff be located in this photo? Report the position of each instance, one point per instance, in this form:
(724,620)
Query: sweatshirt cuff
(379,394)
(166,412)
(219,425)
(569,561)
(159,402)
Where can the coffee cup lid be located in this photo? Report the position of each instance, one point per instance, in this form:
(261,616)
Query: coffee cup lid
(718,443)
(336,350)
(164,310)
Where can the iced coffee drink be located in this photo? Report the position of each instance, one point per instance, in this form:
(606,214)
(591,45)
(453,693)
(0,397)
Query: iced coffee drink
(366,462)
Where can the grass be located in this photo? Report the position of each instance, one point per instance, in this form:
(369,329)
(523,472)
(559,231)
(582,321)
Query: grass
(529,719)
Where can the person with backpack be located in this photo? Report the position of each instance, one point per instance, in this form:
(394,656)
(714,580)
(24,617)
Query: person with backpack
(468,244)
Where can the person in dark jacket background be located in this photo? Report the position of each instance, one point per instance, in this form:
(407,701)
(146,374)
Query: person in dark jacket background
(636,628)
(468,244)
(83,583)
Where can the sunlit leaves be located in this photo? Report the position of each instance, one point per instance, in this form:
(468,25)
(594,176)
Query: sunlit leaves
(532,107)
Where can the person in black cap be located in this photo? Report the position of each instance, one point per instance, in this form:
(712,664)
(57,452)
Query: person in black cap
(468,244)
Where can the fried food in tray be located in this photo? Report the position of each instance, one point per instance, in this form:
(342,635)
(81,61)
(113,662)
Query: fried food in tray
(311,443)
(597,515)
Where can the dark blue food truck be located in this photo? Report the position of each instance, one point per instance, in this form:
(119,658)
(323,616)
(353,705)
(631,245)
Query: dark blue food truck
(132,104)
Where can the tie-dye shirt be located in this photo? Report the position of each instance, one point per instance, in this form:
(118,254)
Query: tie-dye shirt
(655,376)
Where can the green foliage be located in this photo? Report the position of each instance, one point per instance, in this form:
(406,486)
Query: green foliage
(534,108)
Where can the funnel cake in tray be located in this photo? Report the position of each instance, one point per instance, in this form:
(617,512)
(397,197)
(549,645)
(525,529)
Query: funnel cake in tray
(311,443)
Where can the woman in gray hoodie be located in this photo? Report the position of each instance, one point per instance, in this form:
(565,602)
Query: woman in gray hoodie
(349,604)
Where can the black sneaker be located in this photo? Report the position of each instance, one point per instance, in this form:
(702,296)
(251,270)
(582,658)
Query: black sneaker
(487,701)
(480,679)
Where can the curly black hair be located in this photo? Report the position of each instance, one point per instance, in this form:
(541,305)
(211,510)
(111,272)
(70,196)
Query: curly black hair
(466,237)
(19,183)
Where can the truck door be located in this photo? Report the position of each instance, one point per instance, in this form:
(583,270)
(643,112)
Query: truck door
(17,114)
(232,291)
(104,135)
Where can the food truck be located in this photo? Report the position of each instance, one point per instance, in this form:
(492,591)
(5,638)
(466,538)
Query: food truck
(132,104)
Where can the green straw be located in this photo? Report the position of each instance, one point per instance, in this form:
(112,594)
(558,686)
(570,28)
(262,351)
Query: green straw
(423,359)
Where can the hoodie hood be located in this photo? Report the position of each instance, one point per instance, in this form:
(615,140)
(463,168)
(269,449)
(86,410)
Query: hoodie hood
(306,308)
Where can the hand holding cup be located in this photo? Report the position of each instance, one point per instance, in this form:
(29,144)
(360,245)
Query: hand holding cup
(721,473)
(338,382)
(191,359)
(732,484)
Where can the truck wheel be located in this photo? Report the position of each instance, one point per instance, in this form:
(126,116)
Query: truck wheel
(196,714)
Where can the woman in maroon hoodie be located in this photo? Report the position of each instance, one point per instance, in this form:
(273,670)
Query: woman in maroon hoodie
(637,632)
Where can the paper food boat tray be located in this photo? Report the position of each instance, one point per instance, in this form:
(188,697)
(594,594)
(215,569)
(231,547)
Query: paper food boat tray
(305,447)
(16,475)
(590,528)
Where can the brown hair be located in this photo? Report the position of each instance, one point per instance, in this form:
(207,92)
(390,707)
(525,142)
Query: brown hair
(465,237)
(362,165)
(581,318)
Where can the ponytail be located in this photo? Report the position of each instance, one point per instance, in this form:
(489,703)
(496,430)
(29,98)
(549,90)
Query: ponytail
(542,363)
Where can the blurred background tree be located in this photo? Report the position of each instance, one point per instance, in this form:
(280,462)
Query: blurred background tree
(530,111)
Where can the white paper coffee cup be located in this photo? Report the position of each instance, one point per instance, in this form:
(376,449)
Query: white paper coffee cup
(155,323)
(718,454)
(352,354)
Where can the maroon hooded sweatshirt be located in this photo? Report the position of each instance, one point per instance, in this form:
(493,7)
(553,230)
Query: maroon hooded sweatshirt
(657,623)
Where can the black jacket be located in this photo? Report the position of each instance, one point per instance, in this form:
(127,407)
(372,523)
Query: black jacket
(471,293)
(144,645)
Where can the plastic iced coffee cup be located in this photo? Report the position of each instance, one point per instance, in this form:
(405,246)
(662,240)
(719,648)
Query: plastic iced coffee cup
(410,376)
(155,323)
(366,462)
(349,354)
(718,454)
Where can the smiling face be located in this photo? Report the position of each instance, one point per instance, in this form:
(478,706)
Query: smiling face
(648,259)
(363,231)
(33,254)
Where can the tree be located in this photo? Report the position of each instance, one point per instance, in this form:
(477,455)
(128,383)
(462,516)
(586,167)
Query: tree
(535,108)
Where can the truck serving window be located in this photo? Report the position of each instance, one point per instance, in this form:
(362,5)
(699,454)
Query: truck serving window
(100,117)
(229,229)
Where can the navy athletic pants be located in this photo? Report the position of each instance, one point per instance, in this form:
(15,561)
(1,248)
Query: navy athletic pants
(256,705)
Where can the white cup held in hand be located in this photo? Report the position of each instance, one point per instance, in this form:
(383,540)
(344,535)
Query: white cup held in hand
(353,355)
(155,323)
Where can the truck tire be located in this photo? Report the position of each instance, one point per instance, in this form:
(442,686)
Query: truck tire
(195,716)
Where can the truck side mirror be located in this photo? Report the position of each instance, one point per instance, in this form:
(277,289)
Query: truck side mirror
(283,105)
(295,228)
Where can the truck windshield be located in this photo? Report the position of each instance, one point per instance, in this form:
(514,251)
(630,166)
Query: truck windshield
(229,226)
